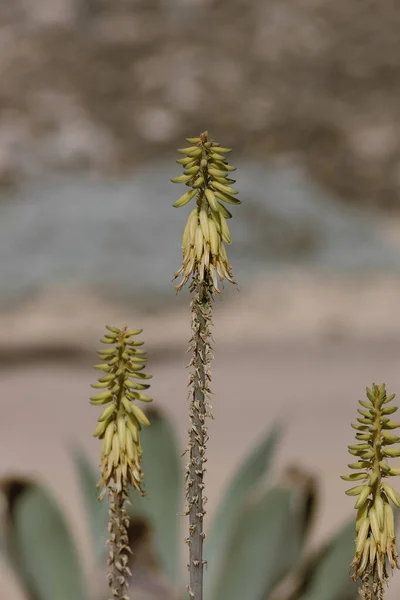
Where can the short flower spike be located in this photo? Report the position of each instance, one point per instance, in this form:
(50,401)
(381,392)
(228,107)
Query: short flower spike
(121,421)
(375,543)
(206,173)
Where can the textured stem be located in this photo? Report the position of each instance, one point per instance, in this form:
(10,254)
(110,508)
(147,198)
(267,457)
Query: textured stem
(371,589)
(119,549)
(199,409)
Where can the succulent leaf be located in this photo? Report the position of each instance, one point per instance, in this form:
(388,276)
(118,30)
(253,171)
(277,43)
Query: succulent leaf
(255,466)
(164,486)
(96,512)
(262,548)
(44,551)
(326,576)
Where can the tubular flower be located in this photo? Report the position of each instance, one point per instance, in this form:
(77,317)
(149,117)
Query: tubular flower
(375,542)
(206,173)
(120,423)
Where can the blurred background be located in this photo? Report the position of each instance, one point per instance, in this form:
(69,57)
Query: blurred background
(95,97)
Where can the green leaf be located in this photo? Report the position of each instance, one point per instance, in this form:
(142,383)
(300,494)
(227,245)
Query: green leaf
(256,464)
(262,548)
(164,490)
(330,572)
(96,511)
(44,547)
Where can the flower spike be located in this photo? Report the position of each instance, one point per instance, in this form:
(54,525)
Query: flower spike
(375,542)
(120,422)
(206,172)
(118,429)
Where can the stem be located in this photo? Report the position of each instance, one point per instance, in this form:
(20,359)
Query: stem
(378,453)
(199,409)
(118,522)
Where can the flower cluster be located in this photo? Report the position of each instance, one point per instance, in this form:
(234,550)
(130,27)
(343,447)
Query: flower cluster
(206,173)
(120,422)
(375,543)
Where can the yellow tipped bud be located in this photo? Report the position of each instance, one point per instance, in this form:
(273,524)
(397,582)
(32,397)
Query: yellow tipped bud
(391,494)
(220,150)
(362,514)
(100,385)
(378,505)
(199,182)
(181,179)
(226,236)
(211,199)
(185,198)
(115,450)
(224,211)
(133,426)
(185,161)
(374,525)
(203,218)
(199,242)
(192,170)
(214,237)
(107,413)
(389,520)
(121,426)
(226,189)
(100,429)
(130,447)
(139,414)
(226,197)
(363,497)
(126,404)
(109,438)
(191,151)
(362,535)
(356,491)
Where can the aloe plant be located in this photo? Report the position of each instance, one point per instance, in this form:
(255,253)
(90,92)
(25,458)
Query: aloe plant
(119,428)
(206,172)
(256,543)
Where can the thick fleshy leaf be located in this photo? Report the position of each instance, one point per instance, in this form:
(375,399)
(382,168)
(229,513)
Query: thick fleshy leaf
(96,511)
(164,492)
(261,550)
(44,547)
(255,466)
(330,572)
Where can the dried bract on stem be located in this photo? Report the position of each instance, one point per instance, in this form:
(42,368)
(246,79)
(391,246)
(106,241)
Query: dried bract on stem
(199,410)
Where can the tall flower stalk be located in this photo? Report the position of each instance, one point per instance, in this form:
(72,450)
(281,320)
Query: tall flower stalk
(206,173)
(119,428)
(375,543)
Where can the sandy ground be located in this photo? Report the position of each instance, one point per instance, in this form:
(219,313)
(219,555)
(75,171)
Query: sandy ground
(308,371)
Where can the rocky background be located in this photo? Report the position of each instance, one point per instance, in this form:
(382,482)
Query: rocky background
(103,85)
